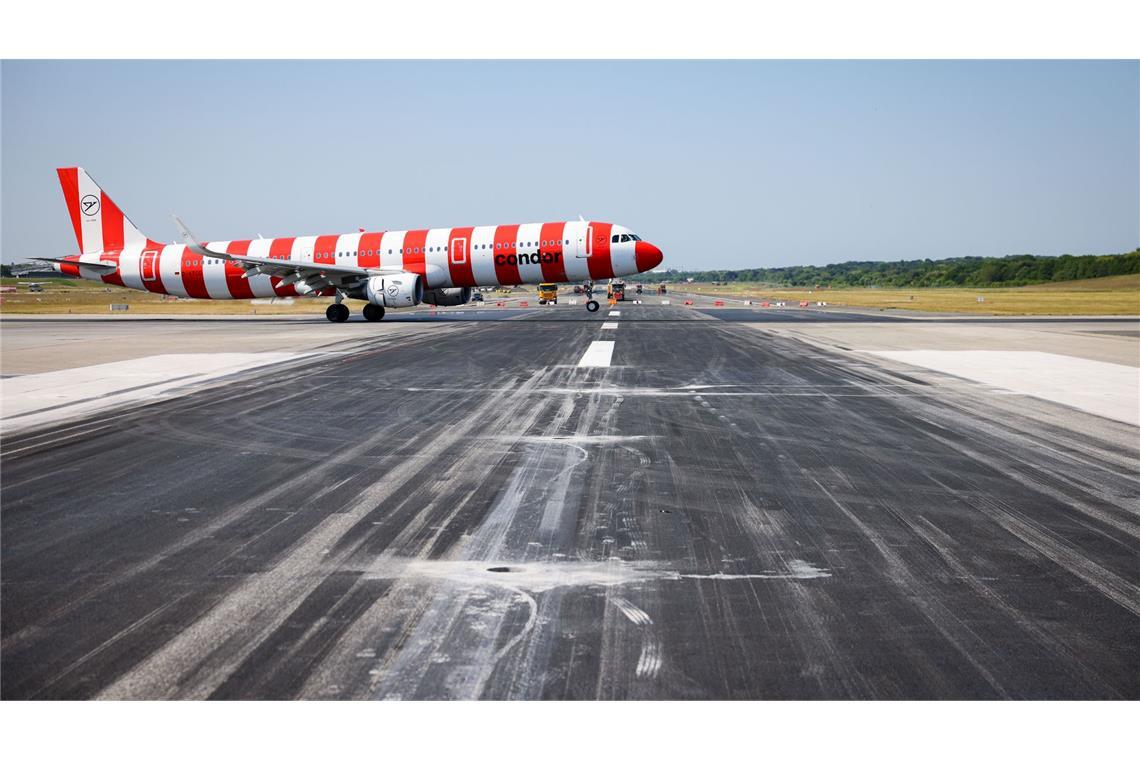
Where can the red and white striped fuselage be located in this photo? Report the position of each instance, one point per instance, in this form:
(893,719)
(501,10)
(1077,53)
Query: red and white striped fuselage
(446,257)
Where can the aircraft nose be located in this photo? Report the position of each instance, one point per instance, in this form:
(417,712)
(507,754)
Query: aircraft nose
(647,256)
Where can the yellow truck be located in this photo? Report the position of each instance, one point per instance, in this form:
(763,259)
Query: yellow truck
(547,293)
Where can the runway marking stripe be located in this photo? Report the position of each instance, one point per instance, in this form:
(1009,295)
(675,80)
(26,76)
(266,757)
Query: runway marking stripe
(614,313)
(609,325)
(598,354)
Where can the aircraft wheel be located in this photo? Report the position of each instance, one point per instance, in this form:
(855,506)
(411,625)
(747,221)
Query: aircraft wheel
(373,313)
(337,312)
(592,306)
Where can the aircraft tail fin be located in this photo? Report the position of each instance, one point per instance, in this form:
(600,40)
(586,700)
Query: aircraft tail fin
(99,223)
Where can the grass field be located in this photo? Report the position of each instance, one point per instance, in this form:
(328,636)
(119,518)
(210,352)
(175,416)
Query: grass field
(66,296)
(1101,296)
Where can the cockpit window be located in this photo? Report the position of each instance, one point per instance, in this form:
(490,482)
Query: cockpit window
(635,237)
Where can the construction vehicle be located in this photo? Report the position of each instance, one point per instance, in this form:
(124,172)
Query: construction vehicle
(616,291)
(547,293)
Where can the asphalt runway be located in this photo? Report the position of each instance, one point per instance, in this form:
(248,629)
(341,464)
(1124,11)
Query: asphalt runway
(461,511)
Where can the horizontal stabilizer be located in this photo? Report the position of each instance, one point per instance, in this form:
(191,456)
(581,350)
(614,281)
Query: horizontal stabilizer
(100,267)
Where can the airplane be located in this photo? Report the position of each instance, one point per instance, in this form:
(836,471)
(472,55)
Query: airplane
(386,270)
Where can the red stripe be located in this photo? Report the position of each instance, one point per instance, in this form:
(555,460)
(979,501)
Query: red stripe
(368,251)
(193,276)
(112,257)
(281,248)
(414,259)
(600,263)
(505,272)
(112,219)
(551,242)
(324,249)
(461,274)
(154,285)
(239,288)
(69,181)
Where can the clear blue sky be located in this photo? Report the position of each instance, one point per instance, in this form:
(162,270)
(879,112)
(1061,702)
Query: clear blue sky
(723,164)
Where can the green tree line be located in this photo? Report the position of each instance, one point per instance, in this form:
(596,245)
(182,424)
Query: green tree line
(967,271)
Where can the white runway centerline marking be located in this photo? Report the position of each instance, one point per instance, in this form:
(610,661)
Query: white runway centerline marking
(1106,389)
(609,325)
(598,354)
(615,313)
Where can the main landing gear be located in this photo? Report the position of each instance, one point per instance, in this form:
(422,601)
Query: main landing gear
(338,312)
(591,306)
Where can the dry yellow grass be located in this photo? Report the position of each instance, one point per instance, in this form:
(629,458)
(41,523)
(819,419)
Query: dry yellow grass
(1102,296)
(84,297)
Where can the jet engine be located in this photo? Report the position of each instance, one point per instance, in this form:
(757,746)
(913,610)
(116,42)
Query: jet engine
(396,292)
(448,296)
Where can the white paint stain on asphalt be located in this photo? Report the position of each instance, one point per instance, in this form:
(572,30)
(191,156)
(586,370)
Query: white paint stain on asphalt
(544,576)
(599,354)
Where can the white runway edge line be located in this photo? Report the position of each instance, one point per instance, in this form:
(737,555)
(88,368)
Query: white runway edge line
(598,354)
(1102,388)
(609,325)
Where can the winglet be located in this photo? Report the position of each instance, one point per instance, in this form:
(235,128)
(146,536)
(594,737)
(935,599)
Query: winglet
(192,243)
(184,231)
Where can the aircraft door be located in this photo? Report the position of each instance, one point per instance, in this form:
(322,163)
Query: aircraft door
(586,247)
(459,251)
(148,266)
